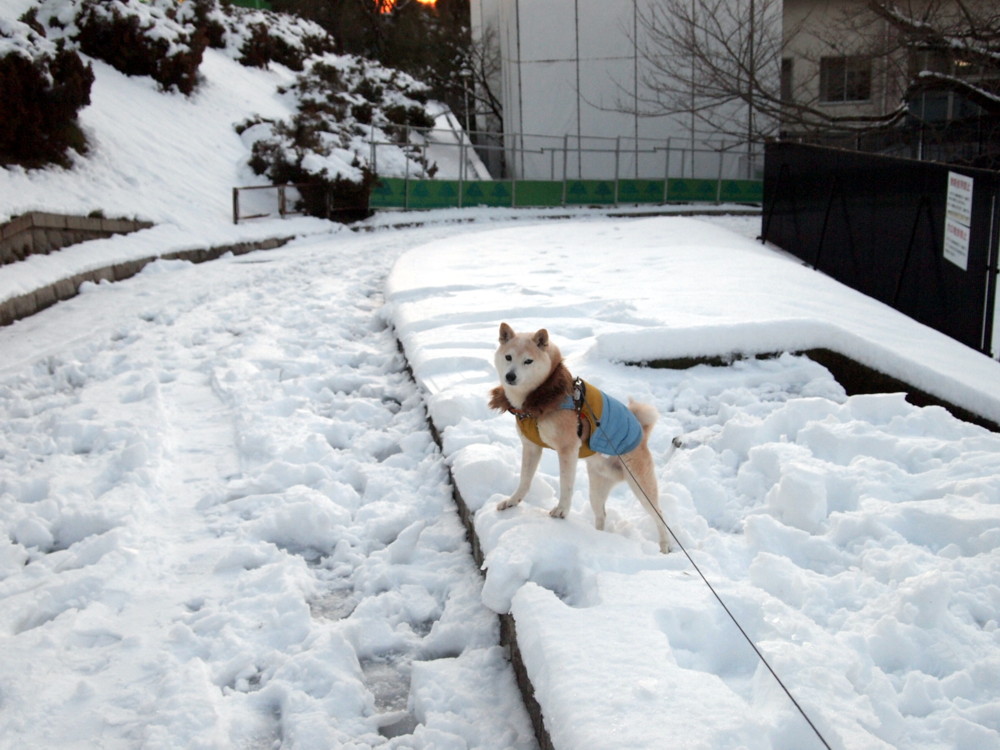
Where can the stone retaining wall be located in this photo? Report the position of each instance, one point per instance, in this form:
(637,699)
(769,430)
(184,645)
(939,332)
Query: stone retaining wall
(28,304)
(39,233)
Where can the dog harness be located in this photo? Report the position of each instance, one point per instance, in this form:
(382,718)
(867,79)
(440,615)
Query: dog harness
(614,429)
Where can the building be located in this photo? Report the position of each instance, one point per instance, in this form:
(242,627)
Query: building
(574,82)
(858,67)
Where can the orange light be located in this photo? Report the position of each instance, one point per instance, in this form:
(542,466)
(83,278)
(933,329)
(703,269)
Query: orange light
(388,6)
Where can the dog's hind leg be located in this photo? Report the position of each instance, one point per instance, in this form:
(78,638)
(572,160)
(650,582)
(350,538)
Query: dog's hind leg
(643,484)
(531,454)
(600,487)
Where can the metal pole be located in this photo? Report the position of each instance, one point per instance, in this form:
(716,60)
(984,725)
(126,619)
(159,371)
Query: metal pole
(989,332)
(751,66)
(618,141)
(236,205)
(666,173)
(635,80)
(579,125)
(565,164)
(514,173)
(406,182)
(462,167)
(718,182)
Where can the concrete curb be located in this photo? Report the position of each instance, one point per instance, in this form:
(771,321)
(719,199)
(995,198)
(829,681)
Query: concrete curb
(26,305)
(508,628)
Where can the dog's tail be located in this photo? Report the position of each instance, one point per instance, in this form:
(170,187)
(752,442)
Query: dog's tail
(647,416)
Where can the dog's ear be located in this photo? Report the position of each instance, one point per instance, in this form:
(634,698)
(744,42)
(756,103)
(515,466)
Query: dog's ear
(506,333)
(541,338)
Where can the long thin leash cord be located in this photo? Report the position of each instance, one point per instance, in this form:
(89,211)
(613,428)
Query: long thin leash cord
(715,593)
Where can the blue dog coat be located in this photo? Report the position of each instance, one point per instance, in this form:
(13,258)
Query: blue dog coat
(614,429)
(617,430)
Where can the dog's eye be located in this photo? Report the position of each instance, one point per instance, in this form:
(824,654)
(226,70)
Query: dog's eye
(528,361)
(508,358)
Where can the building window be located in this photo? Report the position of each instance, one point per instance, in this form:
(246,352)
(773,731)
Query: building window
(786,79)
(845,79)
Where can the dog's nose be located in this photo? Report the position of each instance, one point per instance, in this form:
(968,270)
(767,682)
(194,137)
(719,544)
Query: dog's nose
(511,377)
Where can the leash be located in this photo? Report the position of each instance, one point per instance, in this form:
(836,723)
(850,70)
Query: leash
(655,506)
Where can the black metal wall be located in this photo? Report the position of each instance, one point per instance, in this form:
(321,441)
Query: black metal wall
(877,224)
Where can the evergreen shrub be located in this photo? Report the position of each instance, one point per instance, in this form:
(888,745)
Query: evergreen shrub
(141,40)
(42,88)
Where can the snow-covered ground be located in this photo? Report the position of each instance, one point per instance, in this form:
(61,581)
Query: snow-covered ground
(853,538)
(225,524)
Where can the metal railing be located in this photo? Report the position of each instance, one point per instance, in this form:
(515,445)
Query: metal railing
(280,201)
(526,156)
(565,171)
(552,172)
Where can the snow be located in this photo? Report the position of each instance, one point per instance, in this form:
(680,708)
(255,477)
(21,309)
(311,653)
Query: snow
(225,522)
(854,538)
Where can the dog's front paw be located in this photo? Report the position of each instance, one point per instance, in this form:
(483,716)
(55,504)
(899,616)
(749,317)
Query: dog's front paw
(510,502)
(558,512)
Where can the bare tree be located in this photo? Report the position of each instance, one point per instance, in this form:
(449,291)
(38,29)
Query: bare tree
(716,61)
(481,67)
(959,42)
(720,61)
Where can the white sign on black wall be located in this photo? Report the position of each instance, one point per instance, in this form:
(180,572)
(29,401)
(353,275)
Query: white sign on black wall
(958,219)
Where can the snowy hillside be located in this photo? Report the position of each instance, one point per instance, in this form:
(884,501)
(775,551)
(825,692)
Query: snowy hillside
(156,154)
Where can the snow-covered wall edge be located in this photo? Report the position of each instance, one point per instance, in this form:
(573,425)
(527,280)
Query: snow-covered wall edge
(508,626)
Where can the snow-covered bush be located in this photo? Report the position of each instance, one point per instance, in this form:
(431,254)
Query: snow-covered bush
(42,87)
(258,37)
(142,39)
(162,39)
(344,103)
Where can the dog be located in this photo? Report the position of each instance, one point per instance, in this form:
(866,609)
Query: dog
(577,421)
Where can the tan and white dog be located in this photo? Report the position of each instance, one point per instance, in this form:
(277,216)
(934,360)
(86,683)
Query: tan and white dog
(577,421)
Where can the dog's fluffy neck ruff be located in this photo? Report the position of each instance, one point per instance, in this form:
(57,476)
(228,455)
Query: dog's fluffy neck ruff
(547,397)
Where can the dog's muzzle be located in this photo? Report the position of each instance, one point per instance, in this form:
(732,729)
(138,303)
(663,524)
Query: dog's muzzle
(511,377)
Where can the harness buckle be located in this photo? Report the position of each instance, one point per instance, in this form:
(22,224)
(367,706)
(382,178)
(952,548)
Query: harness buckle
(579,398)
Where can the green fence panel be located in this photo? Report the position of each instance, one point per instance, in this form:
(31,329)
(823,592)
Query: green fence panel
(640,191)
(537,193)
(687,191)
(486,193)
(590,192)
(432,194)
(396,192)
(742,191)
(389,192)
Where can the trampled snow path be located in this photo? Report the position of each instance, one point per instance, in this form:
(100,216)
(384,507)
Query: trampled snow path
(230,525)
